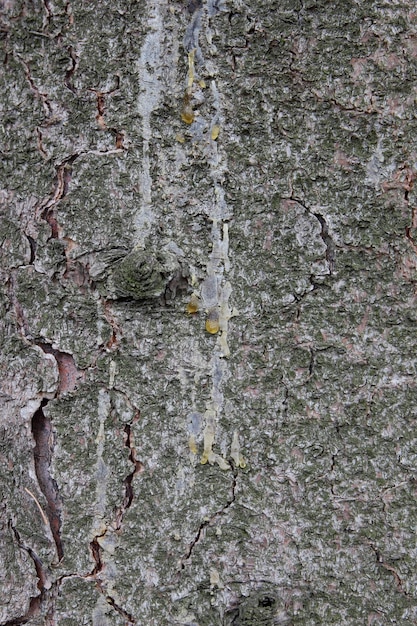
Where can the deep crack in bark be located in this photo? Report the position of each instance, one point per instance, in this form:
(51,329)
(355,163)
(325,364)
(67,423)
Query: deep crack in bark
(32,245)
(96,554)
(410,229)
(311,363)
(49,12)
(42,455)
(42,433)
(138,467)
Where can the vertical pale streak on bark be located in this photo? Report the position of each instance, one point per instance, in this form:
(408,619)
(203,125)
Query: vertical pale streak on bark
(103,529)
(217,267)
(100,530)
(99,526)
(150,91)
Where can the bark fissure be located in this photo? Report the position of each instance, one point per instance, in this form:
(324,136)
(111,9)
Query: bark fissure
(41,148)
(43,97)
(32,244)
(46,208)
(96,554)
(285,403)
(128,481)
(71,70)
(411,228)
(328,242)
(207,522)
(35,602)
(42,455)
(130,619)
(49,12)
(311,363)
(389,568)
(42,432)
(101,103)
(116,331)
(96,551)
(330,253)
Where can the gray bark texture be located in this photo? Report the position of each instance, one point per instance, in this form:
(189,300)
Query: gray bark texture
(208,312)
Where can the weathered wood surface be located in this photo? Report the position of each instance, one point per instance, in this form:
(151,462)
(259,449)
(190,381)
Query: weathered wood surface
(208,313)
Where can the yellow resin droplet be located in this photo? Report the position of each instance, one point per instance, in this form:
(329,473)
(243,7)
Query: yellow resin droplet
(193,305)
(212,327)
(212,322)
(215,132)
(187,116)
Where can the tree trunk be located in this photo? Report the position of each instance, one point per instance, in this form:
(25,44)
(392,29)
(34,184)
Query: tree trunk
(208,312)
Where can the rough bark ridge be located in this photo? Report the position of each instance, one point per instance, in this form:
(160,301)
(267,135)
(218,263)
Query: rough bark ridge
(208,310)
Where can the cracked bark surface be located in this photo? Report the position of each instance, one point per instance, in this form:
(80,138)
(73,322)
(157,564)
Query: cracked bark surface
(207,313)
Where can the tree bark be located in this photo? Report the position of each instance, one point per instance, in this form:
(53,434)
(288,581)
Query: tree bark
(208,312)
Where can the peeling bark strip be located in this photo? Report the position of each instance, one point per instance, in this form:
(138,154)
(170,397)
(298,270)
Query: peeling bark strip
(46,208)
(42,434)
(69,375)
